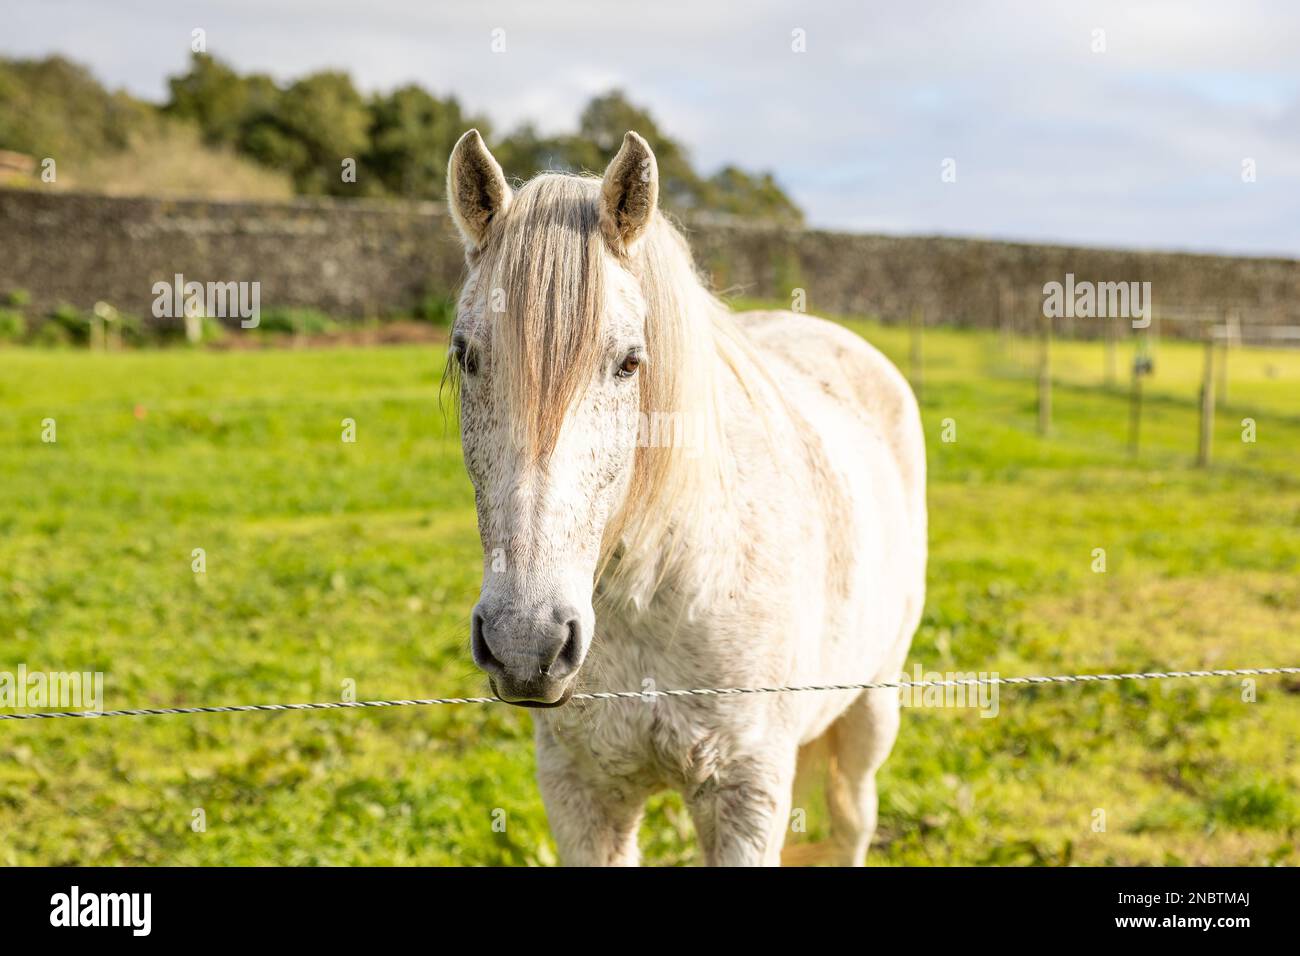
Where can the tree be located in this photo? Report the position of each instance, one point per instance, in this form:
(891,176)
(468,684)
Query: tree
(603,124)
(218,99)
(411,135)
(525,152)
(401,140)
(738,193)
(311,127)
(54,107)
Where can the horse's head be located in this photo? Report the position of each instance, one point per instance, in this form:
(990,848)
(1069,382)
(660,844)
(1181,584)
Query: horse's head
(552,359)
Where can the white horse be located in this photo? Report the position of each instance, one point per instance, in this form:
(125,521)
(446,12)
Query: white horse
(673,496)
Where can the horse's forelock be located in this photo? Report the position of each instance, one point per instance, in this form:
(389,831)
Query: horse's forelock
(543,271)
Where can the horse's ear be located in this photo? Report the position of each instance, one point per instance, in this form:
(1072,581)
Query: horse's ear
(477,191)
(629,194)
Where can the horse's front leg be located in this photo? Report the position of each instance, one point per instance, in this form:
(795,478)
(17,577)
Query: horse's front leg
(742,812)
(594,822)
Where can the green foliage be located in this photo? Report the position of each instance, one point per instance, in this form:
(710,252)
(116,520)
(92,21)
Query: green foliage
(218,100)
(55,108)
(295,321)
(739,193)
(72,320)
(16,298)
(13,326)
(313,126)
(132,330)
(307,128)
(411,135)
(52,335)
(211,330)
(438,309)
(603,124)
(682,190)
(1255,803)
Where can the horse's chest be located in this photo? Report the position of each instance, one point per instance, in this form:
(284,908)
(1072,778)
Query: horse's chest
(665,742)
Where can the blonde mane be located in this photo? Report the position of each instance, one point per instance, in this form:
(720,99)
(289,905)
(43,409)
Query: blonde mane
(546,263)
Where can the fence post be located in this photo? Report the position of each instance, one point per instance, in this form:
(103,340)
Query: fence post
(1207,406)
(1231,330)
(917,321)
(1004,320)
(1135,409)
(1045,375)
(193,325)
(105,327)
(1112,357)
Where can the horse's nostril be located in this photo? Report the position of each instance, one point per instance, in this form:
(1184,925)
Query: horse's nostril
(571,652)
(479,648)
(567,654)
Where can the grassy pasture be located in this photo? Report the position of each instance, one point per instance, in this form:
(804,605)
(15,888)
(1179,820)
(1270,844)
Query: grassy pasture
(330,562)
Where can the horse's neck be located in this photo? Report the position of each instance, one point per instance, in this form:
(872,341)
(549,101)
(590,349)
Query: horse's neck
(700,561)
(684,569)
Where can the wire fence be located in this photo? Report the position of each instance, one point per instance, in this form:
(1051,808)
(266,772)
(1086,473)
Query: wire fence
(665,694)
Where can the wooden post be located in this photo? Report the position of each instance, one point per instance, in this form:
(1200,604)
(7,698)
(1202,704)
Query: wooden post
(1045,375)
(1231,333)
(1207,406)
(104,333)
(1004,322)
(917,321)
(1112,357)
(1135,410)
(193,325)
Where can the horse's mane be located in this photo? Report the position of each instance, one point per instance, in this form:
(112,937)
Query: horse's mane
(546,262)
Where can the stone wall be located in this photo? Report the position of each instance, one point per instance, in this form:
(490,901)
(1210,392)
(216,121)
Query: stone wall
(984,283)
(357,258)
(349,258)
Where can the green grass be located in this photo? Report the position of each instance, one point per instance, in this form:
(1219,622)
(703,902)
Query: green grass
(330,562)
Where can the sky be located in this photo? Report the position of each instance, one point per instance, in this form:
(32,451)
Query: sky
(1171,124)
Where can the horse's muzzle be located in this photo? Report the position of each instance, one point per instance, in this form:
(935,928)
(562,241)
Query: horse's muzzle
(531,659)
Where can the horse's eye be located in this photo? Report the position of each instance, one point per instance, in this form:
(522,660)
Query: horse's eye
(466,357)
(630,364)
